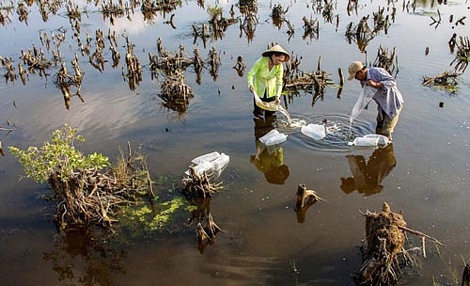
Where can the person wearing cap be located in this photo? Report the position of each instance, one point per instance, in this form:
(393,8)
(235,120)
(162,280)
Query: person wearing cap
(265,78)
(388,98)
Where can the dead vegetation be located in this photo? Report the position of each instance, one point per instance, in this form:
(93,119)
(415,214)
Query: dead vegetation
(150,8)
(446,79)
(249,19)
(314,82)
(311,28)
(216,26)
(304,199)
(385,256)
(219,23)
(240,66)
(462,56)
(175,93)
(172,66)
(362,33)
(387,59)
(10,75)
(278,15)
(64,81)
(101,194)
(466,275)
(5,13)
(36,61)
(198,190)
(89,197)
(134,69)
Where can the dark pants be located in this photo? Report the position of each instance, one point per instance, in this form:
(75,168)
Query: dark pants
(386,125)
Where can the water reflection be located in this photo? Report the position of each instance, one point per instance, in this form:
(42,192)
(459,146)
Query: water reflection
(201,216)
(240,66)
(138,122)
(269,159)
(100,261)
(301,211)
(368,176)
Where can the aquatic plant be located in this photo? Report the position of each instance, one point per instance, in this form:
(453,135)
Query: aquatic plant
(59,157)
(87,189)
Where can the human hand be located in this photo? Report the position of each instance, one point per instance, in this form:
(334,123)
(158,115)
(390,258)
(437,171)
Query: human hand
(277,100)
(251,88)
(374,83)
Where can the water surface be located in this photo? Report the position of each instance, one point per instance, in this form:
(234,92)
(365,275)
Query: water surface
(427,165)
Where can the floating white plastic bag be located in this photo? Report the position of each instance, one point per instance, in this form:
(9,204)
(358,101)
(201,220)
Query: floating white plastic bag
(204,166)
(381,140)
(364,142)
(206,157)
(364,99)
(271,106)
(273,137)
(314,131)
(221,162)
(369,140)
(210,162)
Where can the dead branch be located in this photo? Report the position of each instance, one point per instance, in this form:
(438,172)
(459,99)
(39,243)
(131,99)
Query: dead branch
(419,233)
(304,196)
(444,79)
(92,197)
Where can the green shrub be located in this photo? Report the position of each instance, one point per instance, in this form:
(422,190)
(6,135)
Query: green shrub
(59,156)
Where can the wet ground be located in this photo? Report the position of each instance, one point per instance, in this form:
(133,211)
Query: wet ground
(424,173)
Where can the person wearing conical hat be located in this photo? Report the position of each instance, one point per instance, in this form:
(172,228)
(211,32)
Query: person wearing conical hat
(387,96)
(265,79)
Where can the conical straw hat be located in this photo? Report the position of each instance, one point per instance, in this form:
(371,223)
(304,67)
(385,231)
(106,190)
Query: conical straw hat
(276,49)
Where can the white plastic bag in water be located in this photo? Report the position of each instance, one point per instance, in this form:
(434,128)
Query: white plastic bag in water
(314,131)
(273,137)
(364,99)
(370,140)
(381,140)
(210,162)
(206,157)
(364,142)
(221,162)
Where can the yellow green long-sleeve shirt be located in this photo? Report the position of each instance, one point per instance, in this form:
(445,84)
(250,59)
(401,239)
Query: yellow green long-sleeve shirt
(265,80)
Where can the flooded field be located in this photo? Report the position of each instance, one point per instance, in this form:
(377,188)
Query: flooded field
(51,50)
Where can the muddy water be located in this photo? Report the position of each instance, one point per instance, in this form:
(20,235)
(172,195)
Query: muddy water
(424,174)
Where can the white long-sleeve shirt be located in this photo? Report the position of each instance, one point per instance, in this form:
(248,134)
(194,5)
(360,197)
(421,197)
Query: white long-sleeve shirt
(388,98)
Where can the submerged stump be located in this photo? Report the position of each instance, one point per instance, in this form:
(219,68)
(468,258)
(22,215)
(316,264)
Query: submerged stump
(304,200)
(385,248)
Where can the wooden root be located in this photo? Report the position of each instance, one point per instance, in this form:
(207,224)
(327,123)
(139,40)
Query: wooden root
(304,200)
(304,196)
(92,197)
(385,255)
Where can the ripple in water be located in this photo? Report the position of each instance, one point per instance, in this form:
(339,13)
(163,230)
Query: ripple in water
(339,131)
